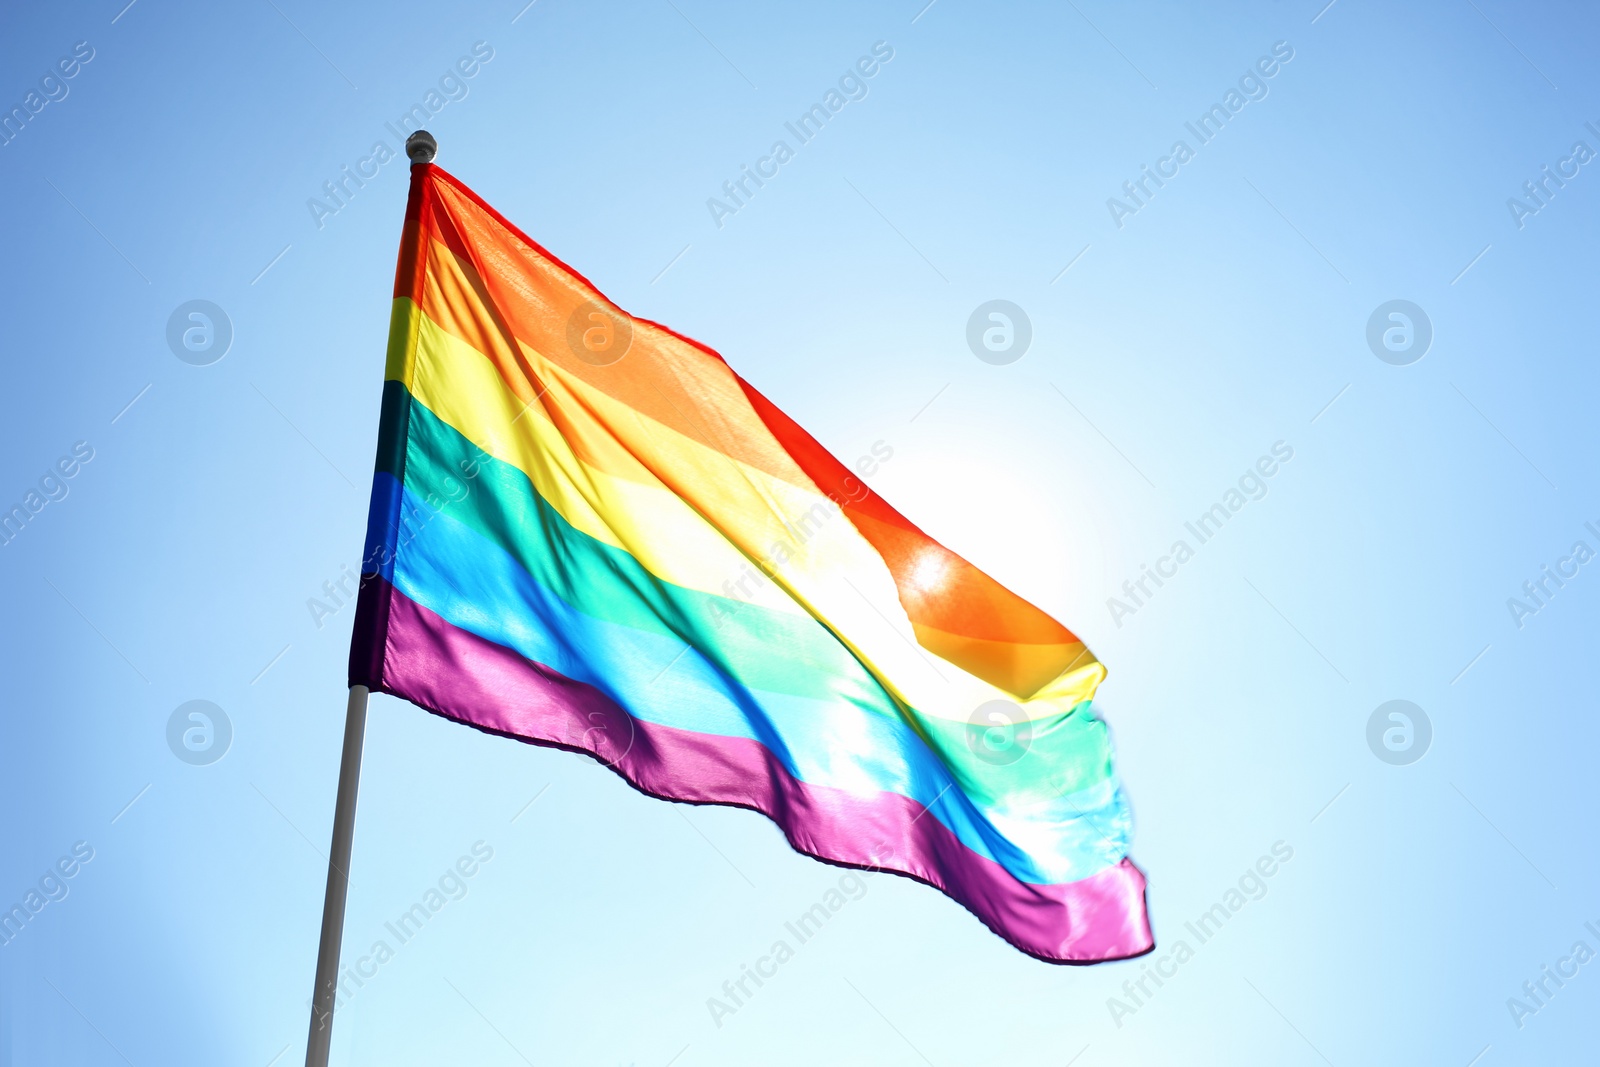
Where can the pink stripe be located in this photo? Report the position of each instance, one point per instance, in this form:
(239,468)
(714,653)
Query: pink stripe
(463,677)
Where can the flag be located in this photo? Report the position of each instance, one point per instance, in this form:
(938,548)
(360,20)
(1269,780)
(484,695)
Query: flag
(588,532)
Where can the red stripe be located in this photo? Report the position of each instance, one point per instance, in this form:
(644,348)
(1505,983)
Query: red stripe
(965,601)
(463,677)
(456,184)
(410,265)
(525,293)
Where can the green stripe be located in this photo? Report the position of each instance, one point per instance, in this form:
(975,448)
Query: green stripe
(761,649)
(776,651)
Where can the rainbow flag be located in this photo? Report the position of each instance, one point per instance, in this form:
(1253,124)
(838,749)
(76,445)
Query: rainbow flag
(588,532)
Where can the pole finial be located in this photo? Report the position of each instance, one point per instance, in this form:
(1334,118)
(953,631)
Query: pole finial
(421,147)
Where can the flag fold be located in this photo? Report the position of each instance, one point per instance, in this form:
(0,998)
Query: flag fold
(588,532)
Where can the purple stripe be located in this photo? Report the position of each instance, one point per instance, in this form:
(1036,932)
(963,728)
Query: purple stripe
(463,677)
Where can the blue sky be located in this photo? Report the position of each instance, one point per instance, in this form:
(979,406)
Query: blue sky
(1172,347)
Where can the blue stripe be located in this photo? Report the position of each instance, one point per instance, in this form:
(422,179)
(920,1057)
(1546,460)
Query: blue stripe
(847,744)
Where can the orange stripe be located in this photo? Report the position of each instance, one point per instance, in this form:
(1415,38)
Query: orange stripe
(706,523)
(485,282)
(966,601)
(532,297)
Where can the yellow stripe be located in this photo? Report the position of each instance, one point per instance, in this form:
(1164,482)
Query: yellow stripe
(460,386)
(693,516)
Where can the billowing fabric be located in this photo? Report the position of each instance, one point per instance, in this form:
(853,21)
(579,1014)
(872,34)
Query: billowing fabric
(588,532)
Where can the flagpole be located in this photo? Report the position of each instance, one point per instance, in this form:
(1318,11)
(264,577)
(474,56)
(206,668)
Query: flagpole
(420,149)
(344,826)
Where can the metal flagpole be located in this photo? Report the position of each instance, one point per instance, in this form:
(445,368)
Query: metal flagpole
(344,826)
(420,149)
